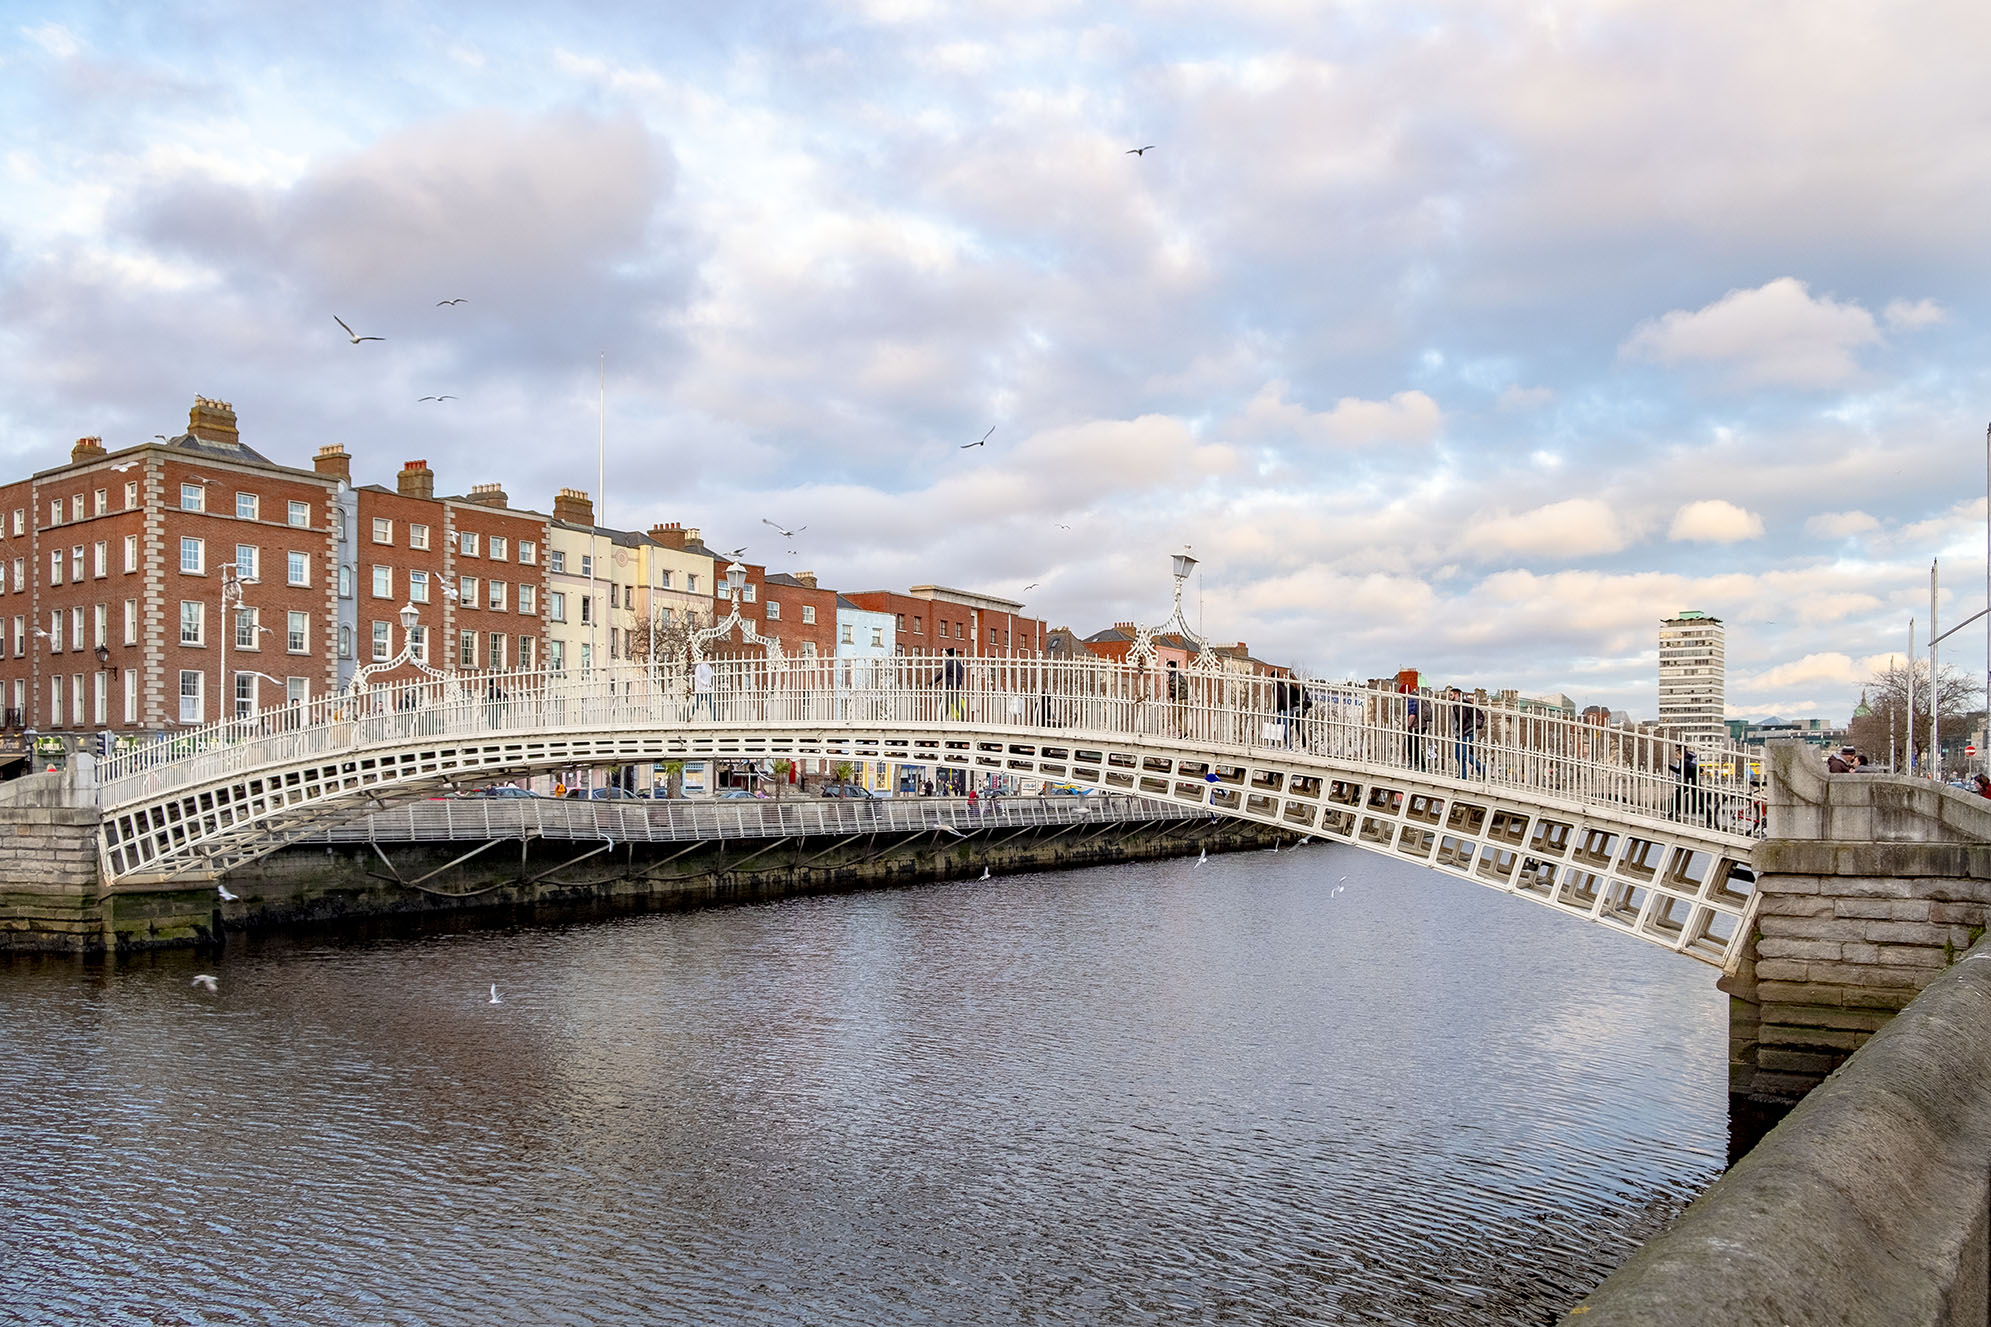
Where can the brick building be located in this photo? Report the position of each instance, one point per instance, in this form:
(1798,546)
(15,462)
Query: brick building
(932,619)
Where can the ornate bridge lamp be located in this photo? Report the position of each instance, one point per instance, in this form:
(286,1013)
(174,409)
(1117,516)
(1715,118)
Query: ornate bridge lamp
(409,618)
(736,584)
(1144,637)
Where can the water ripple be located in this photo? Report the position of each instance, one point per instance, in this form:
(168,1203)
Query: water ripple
(1127,1095)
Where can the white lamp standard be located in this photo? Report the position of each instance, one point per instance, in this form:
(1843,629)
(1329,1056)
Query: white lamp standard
(409,621)
(736,583)
(1182,565)
(231,604)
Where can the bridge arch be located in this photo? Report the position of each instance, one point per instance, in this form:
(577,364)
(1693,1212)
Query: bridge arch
(1583,820)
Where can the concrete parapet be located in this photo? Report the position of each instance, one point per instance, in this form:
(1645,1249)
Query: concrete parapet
(1868,1204)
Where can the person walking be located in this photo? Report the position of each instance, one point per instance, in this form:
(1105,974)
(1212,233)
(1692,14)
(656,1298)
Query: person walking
(1686,769)
(702,690)
(951,676)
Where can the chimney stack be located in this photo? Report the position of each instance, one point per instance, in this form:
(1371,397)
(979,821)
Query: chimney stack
(86,449)
(807,578)
(670,535)
(416,480)
(489,495)
(213,421)
(573,506)
(332,460)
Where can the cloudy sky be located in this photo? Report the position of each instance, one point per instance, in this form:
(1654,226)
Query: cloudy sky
(1473,337)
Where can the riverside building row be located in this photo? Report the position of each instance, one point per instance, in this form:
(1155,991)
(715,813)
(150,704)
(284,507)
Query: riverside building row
(181,581)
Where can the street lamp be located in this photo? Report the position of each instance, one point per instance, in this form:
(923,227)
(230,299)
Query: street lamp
(736,584)
(410,618)
(1182,565)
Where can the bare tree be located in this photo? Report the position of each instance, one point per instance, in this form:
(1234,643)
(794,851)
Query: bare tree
(662,638)
(1886,726)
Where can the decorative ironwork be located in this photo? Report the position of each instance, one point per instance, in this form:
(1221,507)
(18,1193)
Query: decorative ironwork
(736,581)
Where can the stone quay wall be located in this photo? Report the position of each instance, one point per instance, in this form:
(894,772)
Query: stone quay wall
(1868,887)
(1870,1203)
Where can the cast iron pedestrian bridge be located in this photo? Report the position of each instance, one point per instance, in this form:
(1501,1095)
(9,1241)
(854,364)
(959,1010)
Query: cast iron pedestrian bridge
(1584,818)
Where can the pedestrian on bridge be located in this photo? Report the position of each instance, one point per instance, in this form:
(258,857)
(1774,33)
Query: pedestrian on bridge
(1466,722)
(1687,801)
(702,690)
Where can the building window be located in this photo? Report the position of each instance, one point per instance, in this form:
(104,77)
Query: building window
(345,582)
(21,528)
(76,563)
(245,506)
(245,695)
(466,543)
(193,497)
(76,514)
(751,592)
(192,627)
(526,597)
(663,580)
(131,695)
(691,583)
(614,643)
(494,650)
(587,610)
(190,697)
(76,629)
(345,642)
(100,624)
(247,563)
(20,574)
(130,554)
(774,610)
(499,547)
(419,643)
(556,560)
(130,621)
(587,564)
(808,614)
(916,626)
(55,632)
(20,637)
(55,700)
(100,558)
(495,597)
(418,536)
(193,556)
(100,502)
(844,634)
(55,567)
(245,629)
(466,591)
(556,606)
(525,651)
(556,655)
(382,644)
(55,512)
(383,530)
(130,498)
(300,568)
(383,582)
(528,552)
(296,690)
(299,514)
(418,587)
(878,637)
(587,656)
(466,649)
(298,637)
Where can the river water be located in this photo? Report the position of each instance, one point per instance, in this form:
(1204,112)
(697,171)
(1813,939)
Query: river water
(1156,1093)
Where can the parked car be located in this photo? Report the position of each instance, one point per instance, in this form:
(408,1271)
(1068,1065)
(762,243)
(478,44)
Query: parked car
(738,794)
(505,790)
(857,790)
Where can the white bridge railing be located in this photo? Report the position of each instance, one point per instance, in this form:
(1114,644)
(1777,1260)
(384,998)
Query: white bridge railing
(1480,742)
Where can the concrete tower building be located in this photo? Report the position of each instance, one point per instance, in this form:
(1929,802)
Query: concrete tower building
(1693,676)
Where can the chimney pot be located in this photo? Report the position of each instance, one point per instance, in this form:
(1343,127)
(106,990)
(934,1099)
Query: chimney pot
(86,449)
(332,460)
(416,480)
(489,495)
(212,421)
(573,506)
(807,578)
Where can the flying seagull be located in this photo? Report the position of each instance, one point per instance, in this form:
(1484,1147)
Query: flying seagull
(459,300)
(1203,857)
(985,873)
(984,438)
(357,338)
(735,554)
(420,399)
(126,466)
(227,897)
(1033,585)
(1064,527)
(785,534)
(206,983)
(1138,151)
(494,994)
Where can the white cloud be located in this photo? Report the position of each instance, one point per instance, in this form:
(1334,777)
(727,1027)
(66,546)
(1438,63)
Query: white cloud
(1407,417)
(1715,521)
(1517,397)
(1829,667)
(1573,528)
(1840,524)
(1902,316)
(1775,335)
(57,40)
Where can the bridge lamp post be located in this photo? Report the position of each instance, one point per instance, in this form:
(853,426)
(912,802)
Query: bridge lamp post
(231,603)
(410,619)
(736,584)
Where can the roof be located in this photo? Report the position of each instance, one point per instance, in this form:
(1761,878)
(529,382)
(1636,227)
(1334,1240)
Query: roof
(785,578)
(227,451)
(626,538)
(966,598)
(1110,634)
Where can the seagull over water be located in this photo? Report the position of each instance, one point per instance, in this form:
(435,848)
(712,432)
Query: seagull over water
(459,300)
(1138,151)
(984,438)
(494,994)
(227,897)
(1203,857)
(356,337)
(985,873)
(206,983)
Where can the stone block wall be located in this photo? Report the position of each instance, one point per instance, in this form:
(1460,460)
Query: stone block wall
(1869,886)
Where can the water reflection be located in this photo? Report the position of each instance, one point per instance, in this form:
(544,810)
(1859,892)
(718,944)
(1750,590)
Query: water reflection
(1131,1094)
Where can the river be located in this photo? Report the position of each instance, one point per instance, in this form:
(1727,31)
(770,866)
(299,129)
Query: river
(1314,1086)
